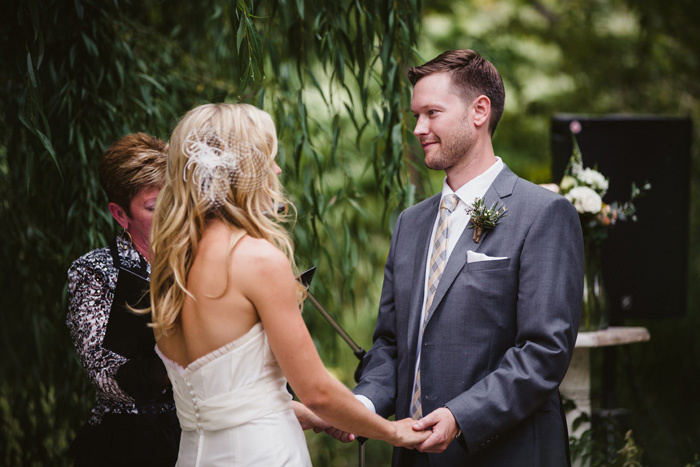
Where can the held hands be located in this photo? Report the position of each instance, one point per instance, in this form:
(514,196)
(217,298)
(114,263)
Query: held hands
(443,428)
(406,436)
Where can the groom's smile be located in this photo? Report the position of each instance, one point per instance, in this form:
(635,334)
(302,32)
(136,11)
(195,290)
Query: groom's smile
(429,144)
(442,122)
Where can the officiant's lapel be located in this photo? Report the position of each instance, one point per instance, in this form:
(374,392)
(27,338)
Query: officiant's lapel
(502,187)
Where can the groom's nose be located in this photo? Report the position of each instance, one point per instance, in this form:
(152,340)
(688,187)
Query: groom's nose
(421,126)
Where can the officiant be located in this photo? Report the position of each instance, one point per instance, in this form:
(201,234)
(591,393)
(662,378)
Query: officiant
(133,421)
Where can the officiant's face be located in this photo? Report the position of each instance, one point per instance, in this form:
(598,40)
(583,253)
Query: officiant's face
(142,206)
(442,121)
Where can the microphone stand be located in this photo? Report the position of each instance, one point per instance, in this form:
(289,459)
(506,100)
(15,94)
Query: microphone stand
(359,352)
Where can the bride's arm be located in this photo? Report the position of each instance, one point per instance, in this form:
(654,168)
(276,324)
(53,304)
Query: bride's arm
(270,285)
(310,421)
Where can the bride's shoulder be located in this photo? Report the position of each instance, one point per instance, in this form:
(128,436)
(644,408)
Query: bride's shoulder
(253,254)
(260,252)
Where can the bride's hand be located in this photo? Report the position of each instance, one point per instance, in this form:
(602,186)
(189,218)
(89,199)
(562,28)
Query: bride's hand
(406,436)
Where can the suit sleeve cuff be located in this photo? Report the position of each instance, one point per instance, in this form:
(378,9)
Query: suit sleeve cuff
(460,439)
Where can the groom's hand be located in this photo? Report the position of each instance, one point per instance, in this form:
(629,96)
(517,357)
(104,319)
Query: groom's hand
(444,428)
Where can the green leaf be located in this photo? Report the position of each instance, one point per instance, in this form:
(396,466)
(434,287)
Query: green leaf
(152,80)
(335,126)
(120,71)
(30,69)
(316,84)
(240,35)
(340,65)
(40,55)
(90,45)
(45,141)
(81,146)
(301,108)
(245,77)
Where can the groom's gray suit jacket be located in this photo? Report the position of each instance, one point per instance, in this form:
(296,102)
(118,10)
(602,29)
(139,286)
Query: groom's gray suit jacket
(501,334)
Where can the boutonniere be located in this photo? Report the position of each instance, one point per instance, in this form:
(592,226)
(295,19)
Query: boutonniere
(484,218)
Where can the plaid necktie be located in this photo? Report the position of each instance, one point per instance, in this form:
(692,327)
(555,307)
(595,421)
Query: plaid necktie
(437,265)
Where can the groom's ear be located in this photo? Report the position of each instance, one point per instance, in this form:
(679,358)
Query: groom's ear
(481,110)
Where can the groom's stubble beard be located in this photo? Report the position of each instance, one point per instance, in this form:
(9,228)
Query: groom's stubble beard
(453,147)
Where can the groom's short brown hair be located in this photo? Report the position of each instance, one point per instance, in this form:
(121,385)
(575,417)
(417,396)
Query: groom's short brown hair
(472,74)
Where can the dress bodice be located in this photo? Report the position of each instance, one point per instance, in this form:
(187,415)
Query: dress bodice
(230,386)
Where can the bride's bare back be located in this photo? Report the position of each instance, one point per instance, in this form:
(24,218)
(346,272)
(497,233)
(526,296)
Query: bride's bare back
(221,310)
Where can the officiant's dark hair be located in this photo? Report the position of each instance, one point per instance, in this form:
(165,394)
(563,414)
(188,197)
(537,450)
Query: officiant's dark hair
(472,74)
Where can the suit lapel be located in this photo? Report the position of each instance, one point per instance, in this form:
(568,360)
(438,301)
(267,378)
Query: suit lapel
(501,187)
(424,230)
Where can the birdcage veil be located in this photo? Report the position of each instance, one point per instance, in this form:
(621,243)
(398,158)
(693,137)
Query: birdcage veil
(220,161)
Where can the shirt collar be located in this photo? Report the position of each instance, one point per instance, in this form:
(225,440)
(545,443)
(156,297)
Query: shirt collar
(476,187)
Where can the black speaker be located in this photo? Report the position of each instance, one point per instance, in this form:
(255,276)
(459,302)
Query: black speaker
(645,263)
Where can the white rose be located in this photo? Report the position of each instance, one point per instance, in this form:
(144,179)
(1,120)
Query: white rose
(567,183)
(594,179)
(550,186)
(585,200)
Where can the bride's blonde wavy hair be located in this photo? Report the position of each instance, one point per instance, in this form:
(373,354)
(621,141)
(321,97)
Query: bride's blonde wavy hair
(184,207)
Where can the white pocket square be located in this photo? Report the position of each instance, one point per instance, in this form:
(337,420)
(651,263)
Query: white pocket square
(474,257)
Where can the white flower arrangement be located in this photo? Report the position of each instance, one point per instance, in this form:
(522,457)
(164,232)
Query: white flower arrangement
(585,188)
(593,179)
(585,199)
(580,182)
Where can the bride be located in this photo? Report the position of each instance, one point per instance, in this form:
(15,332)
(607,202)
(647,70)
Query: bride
(226,305)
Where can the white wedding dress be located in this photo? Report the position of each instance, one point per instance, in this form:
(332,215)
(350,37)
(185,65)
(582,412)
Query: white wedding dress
(234,408)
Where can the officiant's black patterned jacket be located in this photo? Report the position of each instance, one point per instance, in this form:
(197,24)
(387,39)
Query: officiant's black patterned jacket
(92,279)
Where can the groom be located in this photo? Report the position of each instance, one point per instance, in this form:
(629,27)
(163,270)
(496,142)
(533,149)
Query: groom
(474,335)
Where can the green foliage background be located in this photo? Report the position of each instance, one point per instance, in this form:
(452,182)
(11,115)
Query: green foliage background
(78,75)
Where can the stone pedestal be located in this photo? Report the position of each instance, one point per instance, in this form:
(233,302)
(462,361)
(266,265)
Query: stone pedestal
(576,385)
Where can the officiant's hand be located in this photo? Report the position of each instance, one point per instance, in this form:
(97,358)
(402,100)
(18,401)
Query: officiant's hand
(310,421)
(406,435)
(443,428)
